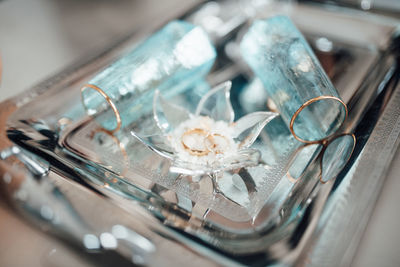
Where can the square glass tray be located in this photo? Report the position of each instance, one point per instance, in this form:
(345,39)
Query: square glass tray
(264,213)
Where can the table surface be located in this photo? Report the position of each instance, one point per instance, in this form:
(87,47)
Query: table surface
(39,38)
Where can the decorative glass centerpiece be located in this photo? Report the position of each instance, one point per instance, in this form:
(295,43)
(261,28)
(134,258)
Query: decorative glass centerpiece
(209,140)
(193,178)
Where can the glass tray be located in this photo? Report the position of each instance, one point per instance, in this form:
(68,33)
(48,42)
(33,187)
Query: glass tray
(266,216)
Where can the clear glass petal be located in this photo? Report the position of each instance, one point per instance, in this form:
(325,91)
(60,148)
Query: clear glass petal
(167,115)
(156,143)
(188,168)
(247,128)
(216,104)
(244,158)
(236,185)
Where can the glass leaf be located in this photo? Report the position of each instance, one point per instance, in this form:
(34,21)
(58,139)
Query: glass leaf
(216,104)
(155,143)
(247,128)
(244,158)
(167,115)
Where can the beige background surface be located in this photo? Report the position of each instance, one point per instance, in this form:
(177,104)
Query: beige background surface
(40,37)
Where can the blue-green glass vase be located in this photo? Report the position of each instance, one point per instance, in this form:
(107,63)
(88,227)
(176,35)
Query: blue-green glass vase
(291,74)
(171,60)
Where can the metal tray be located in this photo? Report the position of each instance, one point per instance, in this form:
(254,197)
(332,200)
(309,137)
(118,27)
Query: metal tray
(276,219)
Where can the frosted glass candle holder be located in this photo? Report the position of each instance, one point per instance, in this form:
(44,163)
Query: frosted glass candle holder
(172,59)
(281,58)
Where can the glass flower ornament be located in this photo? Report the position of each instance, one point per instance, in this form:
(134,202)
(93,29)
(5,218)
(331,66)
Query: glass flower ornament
(209,140)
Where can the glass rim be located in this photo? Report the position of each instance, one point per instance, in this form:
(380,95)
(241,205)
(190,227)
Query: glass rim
(308,103)
(335,138)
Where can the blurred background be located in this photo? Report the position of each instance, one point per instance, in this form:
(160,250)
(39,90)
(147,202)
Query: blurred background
(39,38)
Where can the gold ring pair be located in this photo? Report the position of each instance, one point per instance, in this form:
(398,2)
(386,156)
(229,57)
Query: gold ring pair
(209,142)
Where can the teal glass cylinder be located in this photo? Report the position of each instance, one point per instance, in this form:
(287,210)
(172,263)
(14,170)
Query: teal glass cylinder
(170,60)
(336,156)
(291,74)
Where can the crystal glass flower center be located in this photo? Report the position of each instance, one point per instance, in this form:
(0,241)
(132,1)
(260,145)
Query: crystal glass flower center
(203,140)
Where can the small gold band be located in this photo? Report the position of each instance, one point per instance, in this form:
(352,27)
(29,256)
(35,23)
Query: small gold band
(207,136)
(109,101)
(212,141)
(194,151)
(307,103)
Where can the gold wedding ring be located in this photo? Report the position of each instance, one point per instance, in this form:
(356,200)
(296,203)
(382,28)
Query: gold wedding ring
(307,103)
(108,100)
(195,152)
(208,141)
(213,146)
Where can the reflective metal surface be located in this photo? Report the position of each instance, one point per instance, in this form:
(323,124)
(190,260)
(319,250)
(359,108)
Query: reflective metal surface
(214,228)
